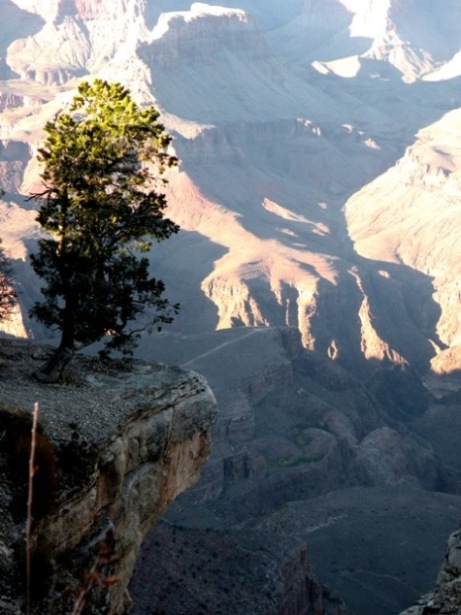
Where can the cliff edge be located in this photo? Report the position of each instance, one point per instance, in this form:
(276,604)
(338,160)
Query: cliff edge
(115,445)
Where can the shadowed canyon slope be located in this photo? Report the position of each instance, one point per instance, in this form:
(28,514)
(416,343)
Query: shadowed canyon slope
(281,114)
(305,456)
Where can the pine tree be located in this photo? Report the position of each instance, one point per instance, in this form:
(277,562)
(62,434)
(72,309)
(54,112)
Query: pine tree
(101,209)
(8,296)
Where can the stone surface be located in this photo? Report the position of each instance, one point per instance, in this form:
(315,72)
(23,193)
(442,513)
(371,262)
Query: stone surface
(377,547)
(445,599)
(116,445)
(238,572)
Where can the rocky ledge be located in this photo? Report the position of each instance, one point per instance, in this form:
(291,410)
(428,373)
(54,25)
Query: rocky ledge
(115,445)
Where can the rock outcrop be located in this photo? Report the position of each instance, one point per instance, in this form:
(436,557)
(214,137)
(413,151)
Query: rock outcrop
(419,191)
(446,597)
(115,446)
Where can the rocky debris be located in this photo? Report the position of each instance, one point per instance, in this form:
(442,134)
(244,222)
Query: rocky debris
(446,597)
(116,444)
(217,573)
(13,159)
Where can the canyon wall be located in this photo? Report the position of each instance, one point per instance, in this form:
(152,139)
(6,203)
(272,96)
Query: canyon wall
(280,117)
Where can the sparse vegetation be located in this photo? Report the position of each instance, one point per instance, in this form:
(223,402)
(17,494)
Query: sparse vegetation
(8,297)
(296,460)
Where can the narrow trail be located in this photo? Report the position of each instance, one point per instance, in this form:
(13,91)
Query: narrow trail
(223,345)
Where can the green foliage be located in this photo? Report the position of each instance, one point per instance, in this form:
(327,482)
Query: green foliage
(8,296)
(102,206)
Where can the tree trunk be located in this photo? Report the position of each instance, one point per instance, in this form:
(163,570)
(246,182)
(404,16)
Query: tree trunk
(53,370)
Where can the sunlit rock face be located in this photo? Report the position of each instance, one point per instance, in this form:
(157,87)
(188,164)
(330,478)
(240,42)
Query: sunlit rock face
(281,115)
(202,33)
(409,216)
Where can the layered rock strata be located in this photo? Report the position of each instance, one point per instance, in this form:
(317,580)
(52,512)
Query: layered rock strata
(115,446)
